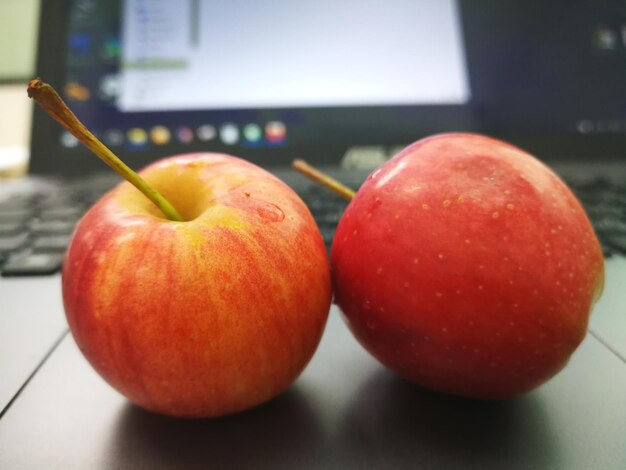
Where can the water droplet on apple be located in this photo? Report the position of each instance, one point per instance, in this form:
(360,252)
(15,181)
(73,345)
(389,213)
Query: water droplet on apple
(271,212)
(371,324)
(367,305)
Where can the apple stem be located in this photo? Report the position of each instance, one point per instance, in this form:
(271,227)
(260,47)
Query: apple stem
(47,97)
(322,178)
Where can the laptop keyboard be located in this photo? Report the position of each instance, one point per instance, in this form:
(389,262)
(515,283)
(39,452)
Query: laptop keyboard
(35,227)
(605,203)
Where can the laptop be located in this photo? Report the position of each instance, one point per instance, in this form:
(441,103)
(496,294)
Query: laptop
(344,85)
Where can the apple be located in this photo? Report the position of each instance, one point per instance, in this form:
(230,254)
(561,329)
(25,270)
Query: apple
(200,286)
(204,317)
(467,266)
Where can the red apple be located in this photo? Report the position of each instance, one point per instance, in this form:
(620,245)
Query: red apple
(204,317)
(467,266)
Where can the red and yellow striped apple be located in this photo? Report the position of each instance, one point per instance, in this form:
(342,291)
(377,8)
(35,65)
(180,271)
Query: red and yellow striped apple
(208,316)
(467,266)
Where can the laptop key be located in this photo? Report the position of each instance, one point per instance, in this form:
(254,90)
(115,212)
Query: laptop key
(50,243)
(617,241)
(56,227)
(610,225)
(15,215)
(60,213)
(13,243)
(11,227)
(33,264)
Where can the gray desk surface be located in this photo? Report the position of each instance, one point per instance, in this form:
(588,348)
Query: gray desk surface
(345,411)
(31,323)
(608,319)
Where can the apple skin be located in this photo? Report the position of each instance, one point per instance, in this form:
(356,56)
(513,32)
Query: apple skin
(467,266)
(205,317)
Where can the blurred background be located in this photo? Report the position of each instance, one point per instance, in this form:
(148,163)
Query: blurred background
(545,76)
(18,38)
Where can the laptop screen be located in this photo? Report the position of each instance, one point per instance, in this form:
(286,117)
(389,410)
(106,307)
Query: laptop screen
(272,80)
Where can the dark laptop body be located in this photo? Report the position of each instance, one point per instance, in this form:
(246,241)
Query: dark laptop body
(547,76)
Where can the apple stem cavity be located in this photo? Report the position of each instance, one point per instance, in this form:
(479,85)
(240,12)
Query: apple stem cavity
(47,97)
(322,178)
